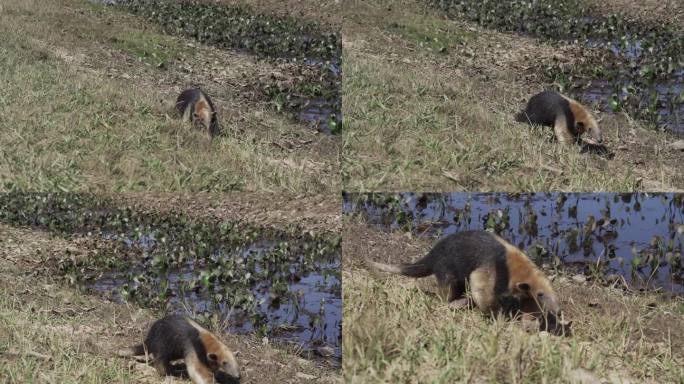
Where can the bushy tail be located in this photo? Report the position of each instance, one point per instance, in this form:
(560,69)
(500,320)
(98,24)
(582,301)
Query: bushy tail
(412,270)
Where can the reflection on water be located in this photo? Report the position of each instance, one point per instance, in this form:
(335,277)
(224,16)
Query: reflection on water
(293,302)
(638,236)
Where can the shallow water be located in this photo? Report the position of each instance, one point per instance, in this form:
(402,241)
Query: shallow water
(632,88)
(638,63)
(294,303)
(637,236)
(321,114)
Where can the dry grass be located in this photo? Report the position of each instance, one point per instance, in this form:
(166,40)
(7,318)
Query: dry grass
(54,333)
(650,10)
(91,90)
(397,331)
(421,119)
(313,213)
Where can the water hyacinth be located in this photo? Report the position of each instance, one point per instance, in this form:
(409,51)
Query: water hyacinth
(239,27)
(629,64)
(258,278)
(598,234)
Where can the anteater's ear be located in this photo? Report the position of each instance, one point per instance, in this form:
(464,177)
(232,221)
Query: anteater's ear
(212,357)
(523,287)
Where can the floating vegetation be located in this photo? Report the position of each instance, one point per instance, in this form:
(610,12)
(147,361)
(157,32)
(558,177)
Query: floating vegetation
(241,28)
(627,65)
(313,96)
(281,284)
(608,236)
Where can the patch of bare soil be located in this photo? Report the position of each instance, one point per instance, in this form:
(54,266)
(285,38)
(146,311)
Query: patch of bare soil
(101,328)
(581,302)
(316,213)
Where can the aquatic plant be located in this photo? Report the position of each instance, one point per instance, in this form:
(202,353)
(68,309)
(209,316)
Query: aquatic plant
(171,261)
(240,27)
(601,234)
(627,65)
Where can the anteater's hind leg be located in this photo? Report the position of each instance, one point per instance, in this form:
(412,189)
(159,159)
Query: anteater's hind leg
(163,366)
(482,288)
(450,287)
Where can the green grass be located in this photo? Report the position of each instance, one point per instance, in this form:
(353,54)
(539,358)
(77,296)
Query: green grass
(433,34)
(89,109)
(420,119)
(150,48)
(26,345)
(408,125)
(396,331)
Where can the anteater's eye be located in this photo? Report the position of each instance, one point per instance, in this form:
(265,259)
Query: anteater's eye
(540,295)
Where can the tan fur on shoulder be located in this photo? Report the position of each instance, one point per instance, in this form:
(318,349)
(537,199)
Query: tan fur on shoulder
(581,115)
(522,270)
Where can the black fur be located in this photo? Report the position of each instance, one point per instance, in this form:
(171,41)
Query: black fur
(455,256)
(170,338)
(191,96)
(544,107)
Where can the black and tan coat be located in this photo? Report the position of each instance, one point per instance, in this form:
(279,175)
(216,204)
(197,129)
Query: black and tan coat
(176,337)
(493,269)
(568,118)
(196,107)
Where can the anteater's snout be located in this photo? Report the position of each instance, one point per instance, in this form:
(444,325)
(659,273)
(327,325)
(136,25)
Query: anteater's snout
(597,135)
(226,378)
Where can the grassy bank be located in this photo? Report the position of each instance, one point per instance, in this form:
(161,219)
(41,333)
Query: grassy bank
(51,332)
(170,261)
(91,91)
(396,330)
(429,105)
(625,63)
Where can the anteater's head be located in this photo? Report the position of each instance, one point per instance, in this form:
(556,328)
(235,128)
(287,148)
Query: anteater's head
(203,114)
(526,281)
(223,363)
(539,289)
(590,125)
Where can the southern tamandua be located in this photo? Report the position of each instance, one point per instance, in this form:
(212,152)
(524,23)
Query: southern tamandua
(176,337)
(196,107)
(568,118)
(495,270)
